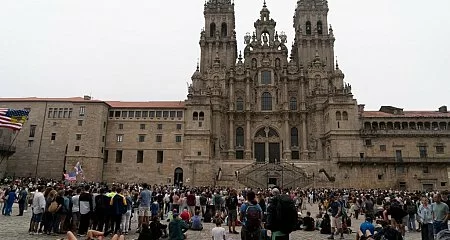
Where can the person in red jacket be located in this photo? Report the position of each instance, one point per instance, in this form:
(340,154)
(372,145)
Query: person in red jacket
(185,215)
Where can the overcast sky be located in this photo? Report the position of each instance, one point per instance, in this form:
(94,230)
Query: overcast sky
(393,52)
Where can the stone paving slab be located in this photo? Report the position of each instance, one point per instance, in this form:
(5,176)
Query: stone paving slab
(16,227)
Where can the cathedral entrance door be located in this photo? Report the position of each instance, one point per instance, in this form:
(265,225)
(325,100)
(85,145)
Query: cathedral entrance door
(260,152)
(178,177)
(274,152)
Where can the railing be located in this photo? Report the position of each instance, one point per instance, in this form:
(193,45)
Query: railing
(391,160)
(404,131)
(7,148)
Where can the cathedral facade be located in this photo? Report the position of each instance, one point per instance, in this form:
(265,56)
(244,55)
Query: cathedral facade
(255,117)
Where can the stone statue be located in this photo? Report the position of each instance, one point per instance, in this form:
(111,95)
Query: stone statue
(222,142)
(312,143)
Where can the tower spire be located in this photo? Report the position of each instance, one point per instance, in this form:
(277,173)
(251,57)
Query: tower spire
(264,5)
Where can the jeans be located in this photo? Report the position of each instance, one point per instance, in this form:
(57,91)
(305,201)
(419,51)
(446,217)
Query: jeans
(125,223)
(21,208)
(56,222)
(84,223)
(439,226)
(412,222)
(8,209)
(427,231)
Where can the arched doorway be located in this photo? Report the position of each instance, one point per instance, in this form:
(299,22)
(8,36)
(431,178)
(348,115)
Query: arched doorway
(267,145)
(178,177)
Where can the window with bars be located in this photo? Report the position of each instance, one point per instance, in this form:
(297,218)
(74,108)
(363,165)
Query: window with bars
(266,102)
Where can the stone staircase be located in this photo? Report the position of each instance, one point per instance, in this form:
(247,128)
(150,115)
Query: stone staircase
(263,175)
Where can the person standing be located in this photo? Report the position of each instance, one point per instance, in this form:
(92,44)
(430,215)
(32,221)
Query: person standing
(282,215)
(251,217)
(425,218)
(86,208)
(38,208)
(76,210)
(231,203)
(119,207)
(22,200)
(440,214)
(336,217)
(145,198)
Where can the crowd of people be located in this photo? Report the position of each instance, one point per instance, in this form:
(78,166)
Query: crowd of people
(97,210)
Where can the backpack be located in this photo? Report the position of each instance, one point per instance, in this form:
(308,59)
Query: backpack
(286,214)
(122,207)
(54,207)
(253,218)
(411,209)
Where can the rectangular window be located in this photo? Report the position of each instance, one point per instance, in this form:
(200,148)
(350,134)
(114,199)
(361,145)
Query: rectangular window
(105,156)
(165,114)
(131,114)
(120,126)
(368,142)
(80,122)
(78,137)
(140,156)
(53,137)
(104,124)
(55,113)
(50,112)
(82,110)
(179,114)
(423,151)
(398,156)
(200,124)
(178,138)
(77,148)
(240,154)
(443,184)
(111,114)
(151,114)
(124,114)
(119,137)
(440,149)
(383,148)
(117,114)
(172,114)
(160,126)
(141,138)
(158,114)
(66,110)
(179,126)
(159,156)
(60,113)
(119,156)
(266,77)
(103,138)
(70,113)
(142,126)
(32,130)
(144,114)
(199,153)
(159,138)
(137,114)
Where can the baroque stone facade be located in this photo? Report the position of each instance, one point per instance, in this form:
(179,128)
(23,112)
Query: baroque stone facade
(258,107)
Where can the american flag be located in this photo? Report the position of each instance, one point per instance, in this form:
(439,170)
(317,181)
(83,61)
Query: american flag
(12,118)
(72,176)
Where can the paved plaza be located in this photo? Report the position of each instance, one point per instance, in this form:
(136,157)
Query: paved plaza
(15,227)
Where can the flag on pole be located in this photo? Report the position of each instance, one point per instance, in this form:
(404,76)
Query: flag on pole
(12,118)
(78,169)
(72,176)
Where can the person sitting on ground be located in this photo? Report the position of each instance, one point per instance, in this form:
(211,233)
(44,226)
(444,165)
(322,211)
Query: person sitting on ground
(158,229)
(145,233)
(318,221)
(218,232)
(177,227)
(92,234)
(196,222)
(308,222)
(325,226)
(185,215)
(366,229)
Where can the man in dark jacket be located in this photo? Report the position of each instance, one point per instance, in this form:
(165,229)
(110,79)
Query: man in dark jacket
(118,207)
(86,209)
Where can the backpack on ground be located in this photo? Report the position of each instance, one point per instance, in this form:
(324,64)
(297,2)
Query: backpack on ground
(286,214)
(253,218)
(54,207)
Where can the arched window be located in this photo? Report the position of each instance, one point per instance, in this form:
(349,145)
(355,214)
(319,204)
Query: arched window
(201,116)
(212,30)
(294,137)
(344,115)
(308,28)
(338,116)
(293,104)
(224,30)
(319,27)
(195,116)
(240,104)
(239,137)
(266,77)
(266,102)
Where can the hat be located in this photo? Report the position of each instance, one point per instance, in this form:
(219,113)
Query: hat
(175,213)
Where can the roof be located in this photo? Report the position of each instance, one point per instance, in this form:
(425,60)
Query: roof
(152,104)
(36,99)
(406,114)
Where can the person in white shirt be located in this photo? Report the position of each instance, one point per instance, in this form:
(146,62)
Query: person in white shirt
(218,233)
(38,207)
(76,210)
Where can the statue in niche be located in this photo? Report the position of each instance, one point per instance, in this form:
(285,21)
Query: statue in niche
(254,63)
(277,63)
(312,143)
(222,142)
(265,38)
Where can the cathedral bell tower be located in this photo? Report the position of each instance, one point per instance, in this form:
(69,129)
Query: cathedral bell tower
(313,39)
(218,38)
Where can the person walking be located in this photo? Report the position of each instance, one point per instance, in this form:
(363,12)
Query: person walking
(440,214)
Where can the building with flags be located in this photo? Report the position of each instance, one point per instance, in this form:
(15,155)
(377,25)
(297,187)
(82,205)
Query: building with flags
(275,119)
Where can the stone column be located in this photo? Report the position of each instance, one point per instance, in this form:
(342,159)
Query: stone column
(304,138)
(231,138)
(287,139)
(266,145)
(248,137)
